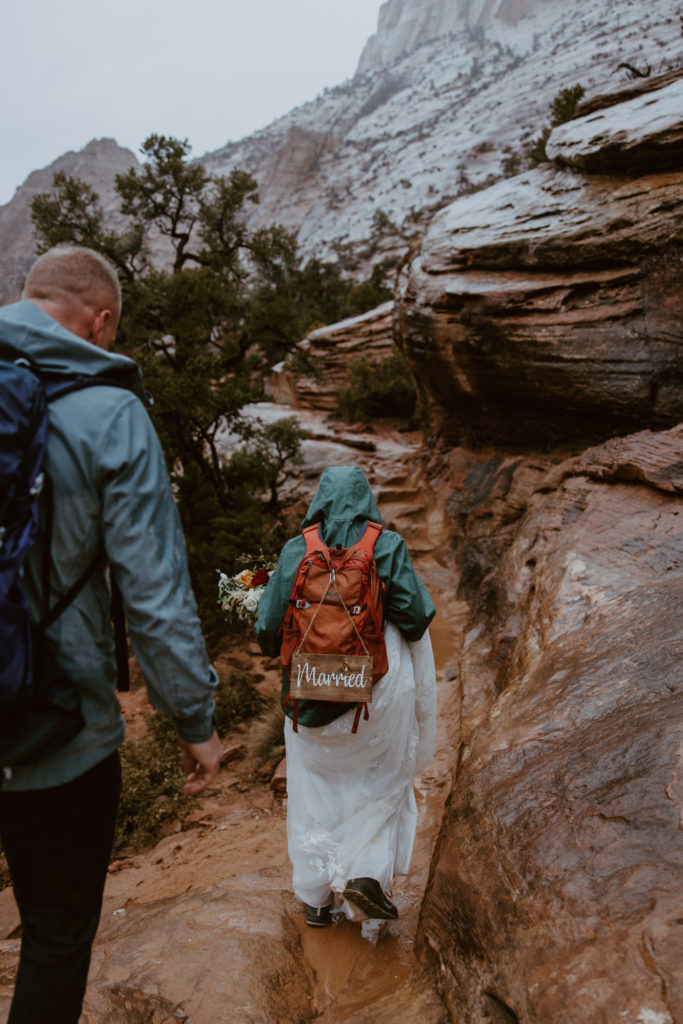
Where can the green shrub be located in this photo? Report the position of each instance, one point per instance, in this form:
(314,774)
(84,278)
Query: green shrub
(266,738)
(152,771)
(152,782)
(537,153)
(562,109)
(377,390)
(237,700)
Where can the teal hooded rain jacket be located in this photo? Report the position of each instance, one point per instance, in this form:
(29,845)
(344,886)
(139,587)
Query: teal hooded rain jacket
(112,492)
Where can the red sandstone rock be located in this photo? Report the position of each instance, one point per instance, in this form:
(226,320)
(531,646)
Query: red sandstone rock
(327,353)
(556,883)
(551,303)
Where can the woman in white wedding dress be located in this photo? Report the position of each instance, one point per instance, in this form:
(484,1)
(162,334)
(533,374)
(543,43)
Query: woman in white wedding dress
(351,812)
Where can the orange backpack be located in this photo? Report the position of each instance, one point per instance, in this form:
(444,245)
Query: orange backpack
(336,607)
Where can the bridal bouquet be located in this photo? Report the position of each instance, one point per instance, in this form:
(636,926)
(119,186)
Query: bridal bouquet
(239,595)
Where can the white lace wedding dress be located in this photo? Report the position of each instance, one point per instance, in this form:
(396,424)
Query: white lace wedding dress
(351,808)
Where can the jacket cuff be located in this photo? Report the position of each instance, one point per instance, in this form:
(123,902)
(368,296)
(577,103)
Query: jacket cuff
(196,729)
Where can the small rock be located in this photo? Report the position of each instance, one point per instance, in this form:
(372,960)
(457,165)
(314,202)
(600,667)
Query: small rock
(232,752)
(278,783)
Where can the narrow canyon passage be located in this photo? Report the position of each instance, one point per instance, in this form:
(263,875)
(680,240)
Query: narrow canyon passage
(204,927)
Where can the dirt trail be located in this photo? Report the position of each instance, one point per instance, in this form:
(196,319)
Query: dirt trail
(224,881)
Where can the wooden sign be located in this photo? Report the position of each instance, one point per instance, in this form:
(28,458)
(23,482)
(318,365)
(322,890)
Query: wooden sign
(338,677)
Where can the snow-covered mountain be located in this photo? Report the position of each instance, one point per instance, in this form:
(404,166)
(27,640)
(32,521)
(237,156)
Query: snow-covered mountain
(446,99)
(447,96)
(405,25)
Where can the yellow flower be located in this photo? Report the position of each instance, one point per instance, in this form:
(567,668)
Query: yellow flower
(244,578)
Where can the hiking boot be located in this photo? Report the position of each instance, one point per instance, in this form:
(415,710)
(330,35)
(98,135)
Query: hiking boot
(317,917)
(368,895)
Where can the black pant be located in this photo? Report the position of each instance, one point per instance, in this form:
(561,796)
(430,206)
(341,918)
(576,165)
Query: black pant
(58,844)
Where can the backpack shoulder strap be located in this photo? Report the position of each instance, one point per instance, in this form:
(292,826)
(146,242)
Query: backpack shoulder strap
(367,542)
(57,385)
(313,539)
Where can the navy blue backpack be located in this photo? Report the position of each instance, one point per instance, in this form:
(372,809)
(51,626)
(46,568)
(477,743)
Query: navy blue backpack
(39,705)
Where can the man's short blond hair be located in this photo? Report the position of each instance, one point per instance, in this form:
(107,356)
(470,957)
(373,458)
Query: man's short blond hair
(74,273)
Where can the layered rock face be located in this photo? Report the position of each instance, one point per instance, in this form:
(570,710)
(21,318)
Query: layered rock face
(447,96)
(555,887)
(553,300)
(547,308)
(405,25)
(327,353)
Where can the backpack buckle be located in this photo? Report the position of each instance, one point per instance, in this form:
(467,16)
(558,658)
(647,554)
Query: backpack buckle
(300,603)
(356,610)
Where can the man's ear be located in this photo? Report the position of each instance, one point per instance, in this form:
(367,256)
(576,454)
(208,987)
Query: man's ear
(100,330)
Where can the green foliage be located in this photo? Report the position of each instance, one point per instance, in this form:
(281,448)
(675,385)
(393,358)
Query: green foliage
(377,390)
(562,109)
(205,329)
(266,736)
(237,700)
(152,781)
(371,293)
(151,767)
(194,328)
(563,106)
(536,151)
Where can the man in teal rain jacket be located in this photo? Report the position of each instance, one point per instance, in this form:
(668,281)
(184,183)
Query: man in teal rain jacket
(112,493)
(351,810)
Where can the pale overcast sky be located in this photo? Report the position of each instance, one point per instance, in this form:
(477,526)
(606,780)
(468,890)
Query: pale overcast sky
(206,70)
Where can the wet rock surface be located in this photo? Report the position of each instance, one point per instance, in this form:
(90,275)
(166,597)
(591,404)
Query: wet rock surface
(555,800)
(540,316)
(627,136)
(325,355)
(551,302)
(555,887)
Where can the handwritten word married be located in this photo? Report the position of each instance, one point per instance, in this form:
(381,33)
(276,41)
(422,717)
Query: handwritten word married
(310,674)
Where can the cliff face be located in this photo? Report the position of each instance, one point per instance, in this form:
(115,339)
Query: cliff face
(98,163)
(327,353)
(447,97)
(555,882)
(542,310)
(552,301)
(405,25)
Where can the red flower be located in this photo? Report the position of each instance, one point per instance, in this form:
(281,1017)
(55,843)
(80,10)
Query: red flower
(260,577)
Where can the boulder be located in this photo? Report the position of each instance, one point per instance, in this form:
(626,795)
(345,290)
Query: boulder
(551,303)
(641,134)
(554,891)
(316,376)
(146,965)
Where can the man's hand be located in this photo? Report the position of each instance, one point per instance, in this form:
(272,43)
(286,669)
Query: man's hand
(201,762)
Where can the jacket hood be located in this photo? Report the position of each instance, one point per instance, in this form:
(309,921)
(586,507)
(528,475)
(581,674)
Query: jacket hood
(25,327)
(342,503)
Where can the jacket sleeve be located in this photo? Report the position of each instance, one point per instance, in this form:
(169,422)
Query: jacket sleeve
(408,604)
(146,550)
(275,598)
